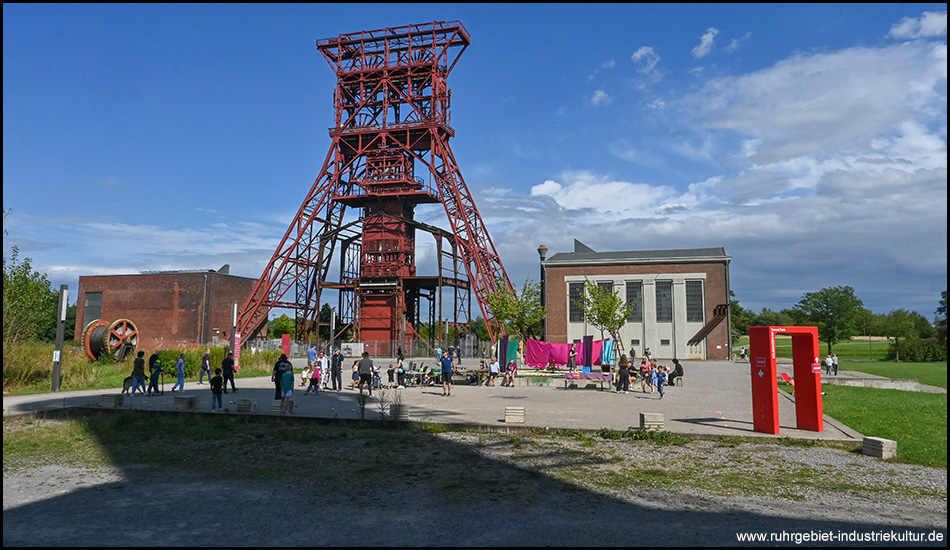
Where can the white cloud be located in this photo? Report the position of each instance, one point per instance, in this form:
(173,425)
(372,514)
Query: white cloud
(827,104)
(646,60)
(929,24)
(705,43)
(601,98)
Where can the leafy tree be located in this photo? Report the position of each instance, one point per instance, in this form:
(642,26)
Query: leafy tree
(605,309)
(941,318)
(741,317)
(769,318)
(834,310)
(521,316)
(480,329)
(280,326)
(28,301)
(901,327)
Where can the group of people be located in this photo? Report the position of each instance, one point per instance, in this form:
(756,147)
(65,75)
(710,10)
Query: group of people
(508,372)
(156,370)
(656,377)
(831,364)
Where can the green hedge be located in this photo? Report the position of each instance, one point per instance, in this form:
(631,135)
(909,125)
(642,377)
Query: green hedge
(918,349)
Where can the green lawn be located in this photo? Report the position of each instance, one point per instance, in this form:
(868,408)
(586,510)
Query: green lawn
(917,421)
(931,374)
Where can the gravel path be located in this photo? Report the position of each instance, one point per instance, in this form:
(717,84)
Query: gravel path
(470,489)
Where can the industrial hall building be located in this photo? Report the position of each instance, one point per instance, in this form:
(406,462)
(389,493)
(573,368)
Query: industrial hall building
(681,299)
(164,308)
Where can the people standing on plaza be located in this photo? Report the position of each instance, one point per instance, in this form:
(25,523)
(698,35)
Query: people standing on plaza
(660,380)
(315,377)
(834,363)
(493,369)
(324,365)
(312,357)
(365,370)
(828,365)
(227,370)
(355,375)
(572,360)
(511,370)
(644,374)
(180,373)
(287,388)
(399,354)
(155,372)
(391,376)
(653,372)
(676,373)
(447,367)
(138,373)
(623,375)
(217,385)
(205,367)
(336,370)
(280,367)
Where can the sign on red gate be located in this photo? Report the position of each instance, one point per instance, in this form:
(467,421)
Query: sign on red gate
(807,375)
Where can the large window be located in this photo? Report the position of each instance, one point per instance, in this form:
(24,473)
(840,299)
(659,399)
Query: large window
(635,295)
(575,296)
(664,301)
(694,302)
(91,307)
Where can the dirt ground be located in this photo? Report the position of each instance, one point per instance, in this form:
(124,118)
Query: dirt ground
(485,491)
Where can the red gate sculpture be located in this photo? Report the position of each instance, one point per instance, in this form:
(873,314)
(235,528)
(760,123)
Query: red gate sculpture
(807,374)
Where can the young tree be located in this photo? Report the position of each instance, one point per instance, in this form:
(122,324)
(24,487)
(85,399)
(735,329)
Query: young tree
(941,318)
(833,310)
(606,310)
(900,324)
(522,315)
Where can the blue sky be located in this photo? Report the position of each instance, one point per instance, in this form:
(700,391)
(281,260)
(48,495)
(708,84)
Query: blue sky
(808,140)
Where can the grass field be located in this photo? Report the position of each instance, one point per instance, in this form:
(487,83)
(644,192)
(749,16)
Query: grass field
(916,421)
(862,350)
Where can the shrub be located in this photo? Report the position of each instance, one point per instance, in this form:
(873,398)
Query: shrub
(917,350)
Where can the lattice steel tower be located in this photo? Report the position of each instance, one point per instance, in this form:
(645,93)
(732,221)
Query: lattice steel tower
(389,153)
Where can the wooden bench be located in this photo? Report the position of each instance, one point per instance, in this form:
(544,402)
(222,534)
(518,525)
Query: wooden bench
(571,379)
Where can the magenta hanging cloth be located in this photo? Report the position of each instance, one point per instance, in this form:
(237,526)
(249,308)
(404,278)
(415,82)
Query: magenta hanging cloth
(537,354)
(559,353)
(598,348)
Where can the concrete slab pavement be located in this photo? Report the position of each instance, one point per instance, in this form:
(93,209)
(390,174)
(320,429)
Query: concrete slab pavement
(715,400)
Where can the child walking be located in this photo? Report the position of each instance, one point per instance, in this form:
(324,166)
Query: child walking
(217,388)
(314,382)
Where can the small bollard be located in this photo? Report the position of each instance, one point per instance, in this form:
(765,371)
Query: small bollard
(879,447)
(514,415)
(651,421)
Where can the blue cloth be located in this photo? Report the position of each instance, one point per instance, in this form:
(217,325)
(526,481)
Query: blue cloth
(446,364)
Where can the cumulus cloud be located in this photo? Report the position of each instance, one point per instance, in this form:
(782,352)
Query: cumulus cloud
(646,60)
(705,43)
(929,24)
(601,98)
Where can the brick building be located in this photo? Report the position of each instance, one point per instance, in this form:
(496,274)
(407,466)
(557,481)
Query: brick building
(168,308)
(682,299)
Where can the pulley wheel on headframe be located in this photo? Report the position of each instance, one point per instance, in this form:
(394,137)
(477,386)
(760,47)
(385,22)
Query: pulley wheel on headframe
(118,339)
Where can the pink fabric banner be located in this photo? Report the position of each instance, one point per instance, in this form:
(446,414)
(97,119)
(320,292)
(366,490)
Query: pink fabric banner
(540,354)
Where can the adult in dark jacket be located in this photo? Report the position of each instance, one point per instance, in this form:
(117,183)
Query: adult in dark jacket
(280,367)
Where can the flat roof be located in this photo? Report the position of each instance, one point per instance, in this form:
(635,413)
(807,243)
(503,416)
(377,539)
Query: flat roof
(584,255)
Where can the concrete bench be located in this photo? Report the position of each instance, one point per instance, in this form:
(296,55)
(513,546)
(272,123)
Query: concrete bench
(514,415)
(185,403)
(651,421)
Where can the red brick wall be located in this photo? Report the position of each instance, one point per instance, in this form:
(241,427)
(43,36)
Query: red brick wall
(167,309)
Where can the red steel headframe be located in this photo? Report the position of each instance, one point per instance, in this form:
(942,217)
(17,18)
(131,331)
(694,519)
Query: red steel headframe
(391,101)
